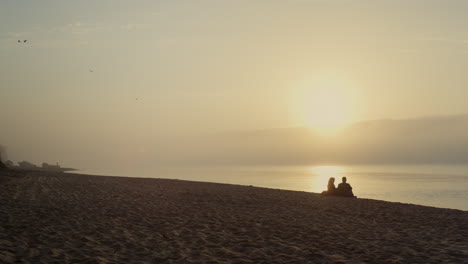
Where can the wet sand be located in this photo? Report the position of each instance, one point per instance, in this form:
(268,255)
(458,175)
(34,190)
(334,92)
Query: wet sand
(71,218)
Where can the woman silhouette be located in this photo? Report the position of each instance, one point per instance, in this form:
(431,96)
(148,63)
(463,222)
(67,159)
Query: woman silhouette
(331,189)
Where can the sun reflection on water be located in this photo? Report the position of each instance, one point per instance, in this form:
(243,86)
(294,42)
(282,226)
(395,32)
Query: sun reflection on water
(321,174)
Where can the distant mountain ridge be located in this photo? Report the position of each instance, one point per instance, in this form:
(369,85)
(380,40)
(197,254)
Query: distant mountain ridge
(440,139)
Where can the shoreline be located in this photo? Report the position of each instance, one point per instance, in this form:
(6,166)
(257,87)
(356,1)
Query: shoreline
(69,218)
(258,186)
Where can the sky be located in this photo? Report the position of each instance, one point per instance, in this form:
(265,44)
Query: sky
(99,83)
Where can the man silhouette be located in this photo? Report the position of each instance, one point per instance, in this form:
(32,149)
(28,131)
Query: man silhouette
(344,189)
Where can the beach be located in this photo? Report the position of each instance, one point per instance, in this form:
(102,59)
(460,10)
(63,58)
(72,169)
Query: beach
(51,217)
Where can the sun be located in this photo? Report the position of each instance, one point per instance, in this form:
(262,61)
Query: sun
(326,106)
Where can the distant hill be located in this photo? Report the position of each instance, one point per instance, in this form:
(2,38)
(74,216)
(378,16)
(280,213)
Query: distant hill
(442,139)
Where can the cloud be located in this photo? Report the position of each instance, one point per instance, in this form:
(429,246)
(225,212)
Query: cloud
(132,26)
(76,28)
(411,51)
(77,31)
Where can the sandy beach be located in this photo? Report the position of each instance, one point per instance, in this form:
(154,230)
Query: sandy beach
(71,218)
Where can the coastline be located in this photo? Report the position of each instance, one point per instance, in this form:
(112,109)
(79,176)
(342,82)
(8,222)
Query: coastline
(441,189)
(70,218)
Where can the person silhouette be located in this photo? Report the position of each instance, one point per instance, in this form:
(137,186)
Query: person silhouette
(331,189)
(345,189)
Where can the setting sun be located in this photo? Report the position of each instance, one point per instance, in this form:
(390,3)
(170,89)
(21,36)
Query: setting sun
(328,108)
(326,105)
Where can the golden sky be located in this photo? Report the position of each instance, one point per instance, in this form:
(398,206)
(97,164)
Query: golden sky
(116,76)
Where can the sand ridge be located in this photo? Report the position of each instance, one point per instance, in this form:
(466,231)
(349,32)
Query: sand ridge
(72,218)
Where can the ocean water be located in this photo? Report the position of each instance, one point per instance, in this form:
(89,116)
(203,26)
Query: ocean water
(431,185)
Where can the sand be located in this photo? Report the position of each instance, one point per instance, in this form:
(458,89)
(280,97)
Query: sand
(72,218)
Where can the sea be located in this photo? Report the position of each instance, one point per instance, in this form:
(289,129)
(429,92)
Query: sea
(443,186)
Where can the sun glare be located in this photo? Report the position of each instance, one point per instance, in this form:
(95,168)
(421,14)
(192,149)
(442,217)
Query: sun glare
(328,109)
(327,171)
(321,174)
(326,106)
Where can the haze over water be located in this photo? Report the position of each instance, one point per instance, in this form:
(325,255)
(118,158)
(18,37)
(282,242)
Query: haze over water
(129,87)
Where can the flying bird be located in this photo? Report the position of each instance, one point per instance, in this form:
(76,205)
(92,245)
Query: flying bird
(25,40)
(91,71)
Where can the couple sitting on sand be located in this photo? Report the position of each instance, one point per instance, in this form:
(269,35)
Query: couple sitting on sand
(344,189)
